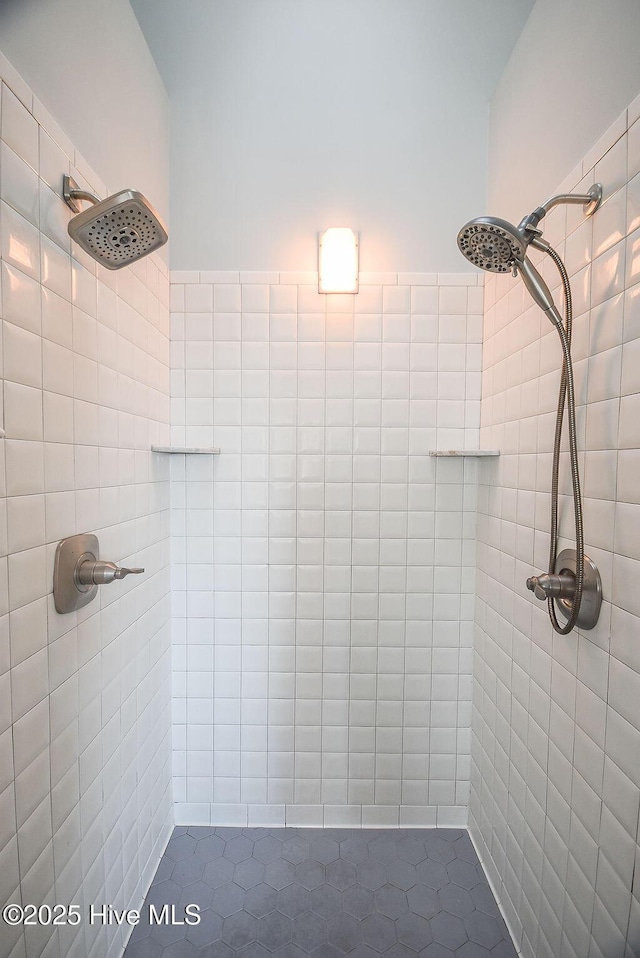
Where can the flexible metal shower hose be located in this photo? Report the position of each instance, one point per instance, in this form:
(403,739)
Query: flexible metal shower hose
(566,392)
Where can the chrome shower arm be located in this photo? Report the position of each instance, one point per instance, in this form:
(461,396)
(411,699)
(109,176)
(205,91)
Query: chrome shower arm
(590,201)
(72,194)
(586,199)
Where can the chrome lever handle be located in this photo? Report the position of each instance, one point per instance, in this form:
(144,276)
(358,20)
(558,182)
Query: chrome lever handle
(548,586)
(98,572)
(121,572)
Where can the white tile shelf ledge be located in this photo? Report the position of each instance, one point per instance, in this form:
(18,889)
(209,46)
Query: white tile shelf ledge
(454,453)
(188,450)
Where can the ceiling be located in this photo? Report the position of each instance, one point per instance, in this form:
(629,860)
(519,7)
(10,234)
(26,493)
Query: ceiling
(477,36)
(291,115)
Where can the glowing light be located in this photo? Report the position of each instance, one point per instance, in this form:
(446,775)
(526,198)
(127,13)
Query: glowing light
(338,261)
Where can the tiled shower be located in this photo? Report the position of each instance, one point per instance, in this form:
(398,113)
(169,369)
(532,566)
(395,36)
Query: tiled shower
(329,711)
(85,798)
(554,795)
(324,563)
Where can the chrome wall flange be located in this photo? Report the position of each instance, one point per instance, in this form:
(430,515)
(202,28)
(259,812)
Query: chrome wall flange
(591,590)
(595,193)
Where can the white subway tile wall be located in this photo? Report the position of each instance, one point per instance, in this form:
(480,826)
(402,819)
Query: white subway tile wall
(555,793)
(323,564)
(85,787)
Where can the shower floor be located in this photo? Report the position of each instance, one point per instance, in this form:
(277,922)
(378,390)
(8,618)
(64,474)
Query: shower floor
(326,893)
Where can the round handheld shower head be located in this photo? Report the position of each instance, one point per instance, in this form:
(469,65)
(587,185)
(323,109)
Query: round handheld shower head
(492,244)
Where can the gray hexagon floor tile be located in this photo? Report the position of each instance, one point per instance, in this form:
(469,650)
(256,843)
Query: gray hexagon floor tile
(210,848)
(464,849)
(260,900)
(436,950)
(164,869)
(379,932)
(400,951)
(354,850)
(218,872)
(364,951)
(471,950)
(322,893)
(279,874)
(228,899)
(440,850)
(290,951)
(180,949)
(309,874)
(218,950)
(359,902)
(414,931)
(372,875)
(201,831)
(448,930)
(181,847)
(383,850)
(199,893)
(309,931)
(463,873)
(239,930)
(207,931)
(187,871)
(267,849)
(239,849)
(293,900)
(326,901)
(274,930)
(254,950)
(324,849)
(423,901)
(412,850)
(341,874)
(164,893)
(295,850)
(483,899)
(456,900)
(343,932)
(403,874)
(391,901)
(483,929)
(434,873)
(327,951)
(248,873)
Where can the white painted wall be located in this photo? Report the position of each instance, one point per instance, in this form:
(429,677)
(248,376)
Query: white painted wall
(573,70)
(90,66)
(289,117)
